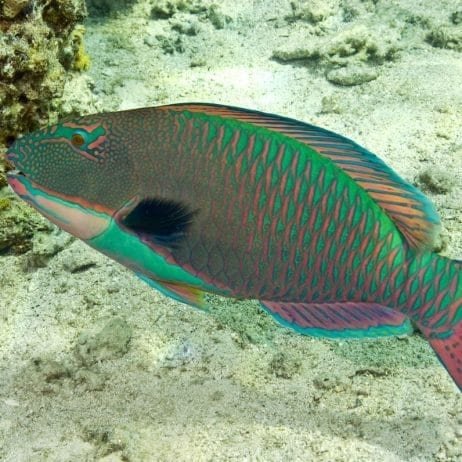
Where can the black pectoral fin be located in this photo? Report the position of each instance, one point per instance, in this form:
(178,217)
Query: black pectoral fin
(161,221)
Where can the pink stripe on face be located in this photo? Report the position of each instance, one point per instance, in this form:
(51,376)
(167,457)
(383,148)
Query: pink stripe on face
(79,222)
(98,142)
(73,218)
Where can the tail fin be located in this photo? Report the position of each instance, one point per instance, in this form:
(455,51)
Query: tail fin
(449,351)
(435,297)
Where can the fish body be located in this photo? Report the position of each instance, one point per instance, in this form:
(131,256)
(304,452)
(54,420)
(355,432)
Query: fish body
(200,198)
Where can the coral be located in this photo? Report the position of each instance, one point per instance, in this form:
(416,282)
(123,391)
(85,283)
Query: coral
(81,58)
(35,39)
(11,8)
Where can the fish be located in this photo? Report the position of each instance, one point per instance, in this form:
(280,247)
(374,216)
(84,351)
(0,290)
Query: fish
(200,198)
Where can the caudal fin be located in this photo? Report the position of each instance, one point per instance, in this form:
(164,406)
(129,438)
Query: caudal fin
(435,295)
(449,351)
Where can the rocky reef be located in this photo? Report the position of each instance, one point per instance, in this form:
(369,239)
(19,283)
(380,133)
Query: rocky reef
(40,42)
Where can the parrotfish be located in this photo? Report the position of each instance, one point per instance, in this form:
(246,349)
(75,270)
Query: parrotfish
(200,198)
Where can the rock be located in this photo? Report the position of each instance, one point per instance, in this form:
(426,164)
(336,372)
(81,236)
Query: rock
(110,342)
(74,260)
(436,180)
(444,36)
(284,366)
(44,246)
(332,104)
(352,75)
(313,11)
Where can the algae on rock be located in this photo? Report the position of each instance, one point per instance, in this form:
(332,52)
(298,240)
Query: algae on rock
(34,41)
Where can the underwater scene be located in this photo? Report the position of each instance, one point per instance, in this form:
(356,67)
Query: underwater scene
(230,230)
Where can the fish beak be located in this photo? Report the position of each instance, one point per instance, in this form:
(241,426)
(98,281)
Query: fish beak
(11,169)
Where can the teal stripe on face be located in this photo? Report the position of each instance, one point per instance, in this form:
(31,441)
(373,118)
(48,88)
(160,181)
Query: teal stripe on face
(129,250)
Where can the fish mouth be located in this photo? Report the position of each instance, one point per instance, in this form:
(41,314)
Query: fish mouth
(20,183)
(14,173)
(67,213)
(11,169)
(16,178)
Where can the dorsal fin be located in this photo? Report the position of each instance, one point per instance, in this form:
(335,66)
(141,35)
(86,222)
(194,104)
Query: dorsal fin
(411,211)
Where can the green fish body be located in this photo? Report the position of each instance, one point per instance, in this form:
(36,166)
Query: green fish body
(202,198)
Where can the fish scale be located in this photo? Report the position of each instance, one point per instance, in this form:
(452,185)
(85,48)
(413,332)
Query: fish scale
(199,198)
(273,156)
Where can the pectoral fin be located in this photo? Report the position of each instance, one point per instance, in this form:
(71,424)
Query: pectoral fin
(160,221)
(186,294)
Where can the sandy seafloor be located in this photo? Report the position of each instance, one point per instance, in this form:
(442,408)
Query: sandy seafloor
(95,365)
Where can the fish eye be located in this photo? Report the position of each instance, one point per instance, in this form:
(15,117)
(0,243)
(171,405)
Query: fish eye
(77,140)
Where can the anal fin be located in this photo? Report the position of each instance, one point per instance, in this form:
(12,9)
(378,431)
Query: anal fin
(339,319)
(182,293)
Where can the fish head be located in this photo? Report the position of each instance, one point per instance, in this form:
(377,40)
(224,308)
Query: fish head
(77,173)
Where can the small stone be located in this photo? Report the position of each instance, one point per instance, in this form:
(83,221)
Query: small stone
(436,181)
(330,382)
(284,366)
(111,342)
(11,402)
(443,36)
(352,75)
(76,261)
(456,16)
(150,41)
(297,54)
(313,11)
(217,18)
(198,62)
(50,370)
(185,26)
(332,104)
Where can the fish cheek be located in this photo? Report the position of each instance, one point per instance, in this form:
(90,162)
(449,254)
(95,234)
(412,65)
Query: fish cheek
(105,183)
(83,223)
